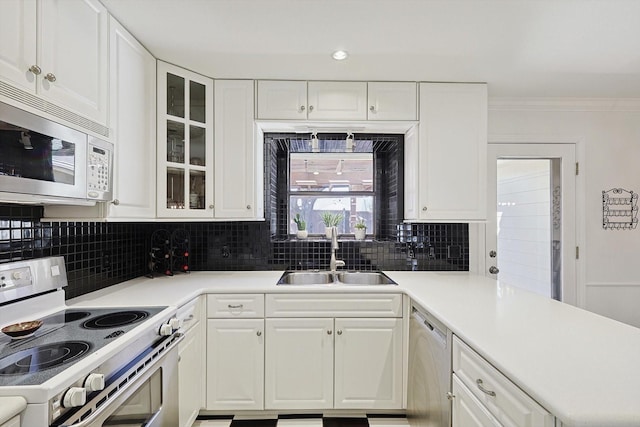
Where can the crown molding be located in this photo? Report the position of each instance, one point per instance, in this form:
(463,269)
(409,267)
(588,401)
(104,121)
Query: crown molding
(563,104)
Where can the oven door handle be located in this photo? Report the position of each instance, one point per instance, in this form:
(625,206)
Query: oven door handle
(128,389)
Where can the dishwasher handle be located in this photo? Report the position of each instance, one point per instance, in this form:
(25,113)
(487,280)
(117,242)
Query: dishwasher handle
(435,331)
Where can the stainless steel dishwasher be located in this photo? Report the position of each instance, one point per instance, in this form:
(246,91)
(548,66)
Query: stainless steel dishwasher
(428,404)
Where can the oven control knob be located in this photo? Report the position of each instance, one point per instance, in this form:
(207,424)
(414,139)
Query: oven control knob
(166,330)
(175,323)
(94,382)
(74,397)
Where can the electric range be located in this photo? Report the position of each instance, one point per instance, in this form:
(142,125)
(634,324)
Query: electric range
(80,359)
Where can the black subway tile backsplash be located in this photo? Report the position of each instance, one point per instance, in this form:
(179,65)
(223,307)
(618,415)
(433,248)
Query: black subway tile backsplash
(98,254)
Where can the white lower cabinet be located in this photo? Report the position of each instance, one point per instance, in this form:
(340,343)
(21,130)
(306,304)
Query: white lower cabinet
(328,362)
(13,422)
(480,384)
(191,364)
(467,410)
(299,364)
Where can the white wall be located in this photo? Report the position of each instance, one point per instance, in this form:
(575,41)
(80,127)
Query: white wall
(608,137)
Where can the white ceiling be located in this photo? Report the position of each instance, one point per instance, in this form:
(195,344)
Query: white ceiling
(535,48)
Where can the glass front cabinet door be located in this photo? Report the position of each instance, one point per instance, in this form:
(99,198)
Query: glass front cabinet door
(185,143)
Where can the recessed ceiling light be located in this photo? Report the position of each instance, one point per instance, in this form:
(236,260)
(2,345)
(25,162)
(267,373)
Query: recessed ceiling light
(339,55)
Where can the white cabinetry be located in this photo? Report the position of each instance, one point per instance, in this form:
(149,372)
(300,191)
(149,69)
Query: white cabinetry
(484,390)
(445,167)
(392,101)
(191,364)
(333,351)
(13,422)
(235,352)
(315,100)
(58,51)
(185,143)
(238,158)
(133,120)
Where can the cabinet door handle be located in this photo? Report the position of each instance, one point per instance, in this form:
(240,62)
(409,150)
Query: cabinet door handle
(50,77)
(210,206)
(372,109)
(424,208)
(35,69)
(259,333)
(310,107)
(301,108)
(339,332)
(115,202)
(235,306)
(484,390)
(248,207)
(329,332)
(450,395)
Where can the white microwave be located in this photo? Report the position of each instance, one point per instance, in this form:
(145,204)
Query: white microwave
(44,162)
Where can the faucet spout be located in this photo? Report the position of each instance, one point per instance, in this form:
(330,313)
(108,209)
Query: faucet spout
(334,263)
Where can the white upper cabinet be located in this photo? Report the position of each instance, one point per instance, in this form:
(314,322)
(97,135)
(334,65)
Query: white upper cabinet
(58,51)
(392,101)
(445,166)
(238,162)
(282,100)
(337,101)
(133,122)
(314,100)
(73,51)
(185,143)
(18,47)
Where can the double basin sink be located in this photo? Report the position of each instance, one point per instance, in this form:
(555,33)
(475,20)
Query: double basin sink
(371,278)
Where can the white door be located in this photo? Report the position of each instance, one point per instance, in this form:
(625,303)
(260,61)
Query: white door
(18,47)
(235,364)
(299,364)
(190,379)
(530,234)
(368,363)
(337,100)
(282,100)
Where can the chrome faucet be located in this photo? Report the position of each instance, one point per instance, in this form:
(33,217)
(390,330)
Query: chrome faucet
(334,263)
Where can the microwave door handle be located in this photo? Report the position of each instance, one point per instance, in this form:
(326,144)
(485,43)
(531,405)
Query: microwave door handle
(103,412)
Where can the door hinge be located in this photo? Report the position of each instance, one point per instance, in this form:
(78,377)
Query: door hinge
(577,168)
(577,252)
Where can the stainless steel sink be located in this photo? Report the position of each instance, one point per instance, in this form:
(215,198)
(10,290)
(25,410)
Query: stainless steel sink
(373,278)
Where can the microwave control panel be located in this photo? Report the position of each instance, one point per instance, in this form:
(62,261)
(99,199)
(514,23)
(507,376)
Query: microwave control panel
(99,173)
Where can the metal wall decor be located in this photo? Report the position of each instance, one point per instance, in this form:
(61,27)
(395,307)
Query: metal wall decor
(619,209)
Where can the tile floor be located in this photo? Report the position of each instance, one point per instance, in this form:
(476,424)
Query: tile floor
(290,421)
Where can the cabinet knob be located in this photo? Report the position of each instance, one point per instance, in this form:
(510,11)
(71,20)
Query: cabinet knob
(210,206)
(259,333)
(302,108)
(372,109)
(50,77)
(329,332)
(115,202)
(339,332)
(424,208)
(450,395)
(249,207)
(494,270)
(310,107)
(35,69)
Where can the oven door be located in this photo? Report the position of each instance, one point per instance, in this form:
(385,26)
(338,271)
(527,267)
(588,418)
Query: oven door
(145,395)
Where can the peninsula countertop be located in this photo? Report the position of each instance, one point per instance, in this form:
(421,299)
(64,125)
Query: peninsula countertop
(580,366)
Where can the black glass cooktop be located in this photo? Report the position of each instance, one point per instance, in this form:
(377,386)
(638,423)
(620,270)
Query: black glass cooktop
(64,338)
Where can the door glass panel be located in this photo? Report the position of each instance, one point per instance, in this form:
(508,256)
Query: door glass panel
(141,407)
(197,145)
(196,189)
(175,142)
(197,109)
(175,95)
(524,224)
(175,188)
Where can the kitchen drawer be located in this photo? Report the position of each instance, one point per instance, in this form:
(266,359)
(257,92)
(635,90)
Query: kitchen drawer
(235,305)
(334,305)
(508,403)
(189,314)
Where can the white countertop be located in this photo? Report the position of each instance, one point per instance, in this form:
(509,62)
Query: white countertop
(10,407)
(582,367)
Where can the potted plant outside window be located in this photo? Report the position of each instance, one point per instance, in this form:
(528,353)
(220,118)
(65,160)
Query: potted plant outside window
(360,229)
(302,227)
(330,220)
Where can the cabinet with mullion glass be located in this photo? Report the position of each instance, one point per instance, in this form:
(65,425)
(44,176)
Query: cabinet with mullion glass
(185,143)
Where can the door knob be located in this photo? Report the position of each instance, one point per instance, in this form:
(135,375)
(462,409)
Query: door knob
(50,77)
(494,270)
(35,69)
